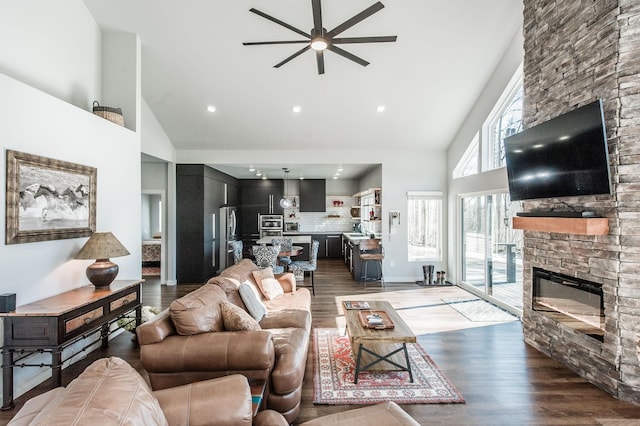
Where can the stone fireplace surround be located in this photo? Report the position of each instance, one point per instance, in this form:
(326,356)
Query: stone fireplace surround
(576,51)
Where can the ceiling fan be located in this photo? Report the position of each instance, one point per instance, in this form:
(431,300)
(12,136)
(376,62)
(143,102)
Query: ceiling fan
(320,39)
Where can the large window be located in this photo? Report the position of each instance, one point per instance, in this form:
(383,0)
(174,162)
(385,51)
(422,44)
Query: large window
(505,120)
(424,211)
(468,164)
(491,258)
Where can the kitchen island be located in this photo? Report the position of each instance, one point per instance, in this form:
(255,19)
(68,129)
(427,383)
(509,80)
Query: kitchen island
(351,250)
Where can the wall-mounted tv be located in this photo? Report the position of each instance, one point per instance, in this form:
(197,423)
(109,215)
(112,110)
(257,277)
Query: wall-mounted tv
(565,156)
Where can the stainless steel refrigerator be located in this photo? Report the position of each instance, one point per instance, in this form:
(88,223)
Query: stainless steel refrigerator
(228,234)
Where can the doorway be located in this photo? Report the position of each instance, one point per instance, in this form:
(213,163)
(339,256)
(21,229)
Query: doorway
(491,254)
(152,224)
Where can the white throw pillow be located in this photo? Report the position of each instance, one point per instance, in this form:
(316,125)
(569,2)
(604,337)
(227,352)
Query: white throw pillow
(252,300)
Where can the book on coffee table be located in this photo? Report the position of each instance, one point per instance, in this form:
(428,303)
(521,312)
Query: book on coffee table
(354,304)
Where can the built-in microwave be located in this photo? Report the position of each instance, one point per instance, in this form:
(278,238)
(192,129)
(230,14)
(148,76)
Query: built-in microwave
(291,227)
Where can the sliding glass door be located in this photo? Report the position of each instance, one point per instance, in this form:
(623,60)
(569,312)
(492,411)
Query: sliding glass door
(491,250)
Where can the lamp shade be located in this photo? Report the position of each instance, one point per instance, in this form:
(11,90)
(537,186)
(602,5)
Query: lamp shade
(102,246)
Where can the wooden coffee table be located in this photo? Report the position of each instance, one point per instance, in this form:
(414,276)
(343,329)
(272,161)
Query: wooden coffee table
(371,347)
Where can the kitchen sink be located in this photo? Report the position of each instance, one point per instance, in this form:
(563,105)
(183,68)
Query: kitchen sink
(355,235)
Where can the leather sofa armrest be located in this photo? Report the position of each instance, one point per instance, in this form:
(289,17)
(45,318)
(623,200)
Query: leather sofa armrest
(156,330)
(269,418)
(286,318)
(287,282)
(222,401)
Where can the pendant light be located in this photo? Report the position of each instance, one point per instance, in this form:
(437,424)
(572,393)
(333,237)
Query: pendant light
(285,202)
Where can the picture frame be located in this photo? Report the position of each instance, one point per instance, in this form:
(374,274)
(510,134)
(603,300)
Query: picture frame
(48,199)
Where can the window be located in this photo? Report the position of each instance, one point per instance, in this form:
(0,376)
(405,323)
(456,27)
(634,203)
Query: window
(505,120)
(468,164)
(424,219)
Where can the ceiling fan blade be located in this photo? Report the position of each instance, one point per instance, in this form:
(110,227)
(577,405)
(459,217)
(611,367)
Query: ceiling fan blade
(279,22)
(320,61)
(342,52)
(355,19)
(258,43)
(317,17)
(376,39)
(298,53)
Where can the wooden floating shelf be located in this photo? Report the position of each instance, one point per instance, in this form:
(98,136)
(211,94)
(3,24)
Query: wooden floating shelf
(564,225)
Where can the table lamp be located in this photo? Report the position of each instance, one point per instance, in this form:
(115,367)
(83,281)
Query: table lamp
(101,246)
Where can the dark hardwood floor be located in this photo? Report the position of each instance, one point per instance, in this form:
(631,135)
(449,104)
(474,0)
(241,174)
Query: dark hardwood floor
(503,380)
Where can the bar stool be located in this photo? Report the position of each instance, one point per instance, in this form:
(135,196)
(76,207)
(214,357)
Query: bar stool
(371,251)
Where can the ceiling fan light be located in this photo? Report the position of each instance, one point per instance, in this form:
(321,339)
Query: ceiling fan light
(319,44)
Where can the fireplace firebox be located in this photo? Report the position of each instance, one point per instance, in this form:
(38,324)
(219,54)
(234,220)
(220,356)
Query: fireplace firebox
(573,302)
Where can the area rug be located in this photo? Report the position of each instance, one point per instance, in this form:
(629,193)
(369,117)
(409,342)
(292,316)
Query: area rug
(476,309)
(334,367)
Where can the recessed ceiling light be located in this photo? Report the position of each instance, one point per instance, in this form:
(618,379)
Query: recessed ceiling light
(211,108)
(380,108)
(297,109)
(264,177)
(340,168)
(252,169)
(335,177)
(301,177)
(258,173)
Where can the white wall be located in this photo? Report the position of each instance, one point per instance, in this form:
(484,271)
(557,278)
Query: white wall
(494,180)
(50,73)
(36,123)
(153,138)
(54,46)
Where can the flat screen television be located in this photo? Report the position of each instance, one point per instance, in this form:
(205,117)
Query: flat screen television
(565,156)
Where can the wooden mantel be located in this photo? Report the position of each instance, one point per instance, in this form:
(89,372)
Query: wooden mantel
(564,225)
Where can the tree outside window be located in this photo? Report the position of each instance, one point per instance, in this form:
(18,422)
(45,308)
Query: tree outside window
(424,219)
(507,122)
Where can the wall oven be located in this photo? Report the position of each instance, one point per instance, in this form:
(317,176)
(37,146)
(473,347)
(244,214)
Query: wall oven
(270,225)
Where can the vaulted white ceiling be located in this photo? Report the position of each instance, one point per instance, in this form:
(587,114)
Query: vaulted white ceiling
(192,57)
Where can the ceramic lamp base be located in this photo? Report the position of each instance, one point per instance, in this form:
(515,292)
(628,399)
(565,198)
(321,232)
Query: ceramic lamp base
(102,272)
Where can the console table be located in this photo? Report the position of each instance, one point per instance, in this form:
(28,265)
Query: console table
(52,324)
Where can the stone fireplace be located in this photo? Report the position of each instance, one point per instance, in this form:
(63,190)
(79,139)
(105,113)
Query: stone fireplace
(577,51)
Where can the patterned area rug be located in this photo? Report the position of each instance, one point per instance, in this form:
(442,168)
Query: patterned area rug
(334,367)
(475,309)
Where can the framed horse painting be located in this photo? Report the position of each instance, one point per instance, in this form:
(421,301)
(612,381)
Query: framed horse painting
(48,199)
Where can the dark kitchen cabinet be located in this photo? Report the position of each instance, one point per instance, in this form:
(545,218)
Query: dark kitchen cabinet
(313,195)
(330,245)
(322,239)
(334,246)
(258,196)
(200,192)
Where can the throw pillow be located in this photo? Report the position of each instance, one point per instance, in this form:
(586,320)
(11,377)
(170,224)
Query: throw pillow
(199,311)
(251,298)
(267,283)
(235,319)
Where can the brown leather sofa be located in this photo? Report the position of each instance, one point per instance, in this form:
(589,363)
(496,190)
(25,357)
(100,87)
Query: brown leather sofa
(111,392)
(189,342)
